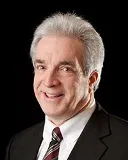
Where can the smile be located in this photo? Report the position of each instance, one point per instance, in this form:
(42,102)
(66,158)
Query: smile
(48,95)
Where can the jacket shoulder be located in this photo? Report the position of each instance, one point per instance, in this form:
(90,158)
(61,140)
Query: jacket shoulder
(118,124)
(28,138)
(32,130)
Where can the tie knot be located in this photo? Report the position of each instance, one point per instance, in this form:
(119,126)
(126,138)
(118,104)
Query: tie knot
(56,134)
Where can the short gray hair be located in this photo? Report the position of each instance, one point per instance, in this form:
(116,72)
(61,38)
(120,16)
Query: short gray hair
(74,26)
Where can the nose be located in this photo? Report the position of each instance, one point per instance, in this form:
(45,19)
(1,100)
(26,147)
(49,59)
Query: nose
(51,79)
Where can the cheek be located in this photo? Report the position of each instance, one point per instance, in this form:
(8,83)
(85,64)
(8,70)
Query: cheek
(82,87)
(36,82)
(71,88)
(69,83)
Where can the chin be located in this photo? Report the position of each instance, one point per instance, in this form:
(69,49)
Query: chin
(53,111)
(53,115)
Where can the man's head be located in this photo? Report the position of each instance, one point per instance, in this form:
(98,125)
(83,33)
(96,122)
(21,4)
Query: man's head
(67,54)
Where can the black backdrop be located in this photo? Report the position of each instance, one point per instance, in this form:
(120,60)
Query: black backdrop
(19,106)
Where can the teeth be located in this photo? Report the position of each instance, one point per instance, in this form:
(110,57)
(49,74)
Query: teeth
(52,95)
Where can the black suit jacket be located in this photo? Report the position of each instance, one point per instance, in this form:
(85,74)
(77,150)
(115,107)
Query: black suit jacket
(105,137)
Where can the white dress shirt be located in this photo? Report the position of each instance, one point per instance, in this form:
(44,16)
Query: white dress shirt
(70,130)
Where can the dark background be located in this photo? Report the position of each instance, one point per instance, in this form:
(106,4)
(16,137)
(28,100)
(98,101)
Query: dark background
(19,20)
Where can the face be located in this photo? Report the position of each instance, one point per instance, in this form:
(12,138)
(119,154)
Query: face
(60,85)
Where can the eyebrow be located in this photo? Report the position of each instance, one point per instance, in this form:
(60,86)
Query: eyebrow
(39,61)
(70,63)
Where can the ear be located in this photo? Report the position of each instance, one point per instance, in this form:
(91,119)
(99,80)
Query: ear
(93,79)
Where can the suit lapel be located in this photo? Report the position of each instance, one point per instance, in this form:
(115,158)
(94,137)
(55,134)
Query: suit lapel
(89,145)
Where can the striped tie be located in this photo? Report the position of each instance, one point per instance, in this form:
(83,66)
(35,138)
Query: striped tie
(53,150)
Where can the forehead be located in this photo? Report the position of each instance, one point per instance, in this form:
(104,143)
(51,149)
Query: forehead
(58,47)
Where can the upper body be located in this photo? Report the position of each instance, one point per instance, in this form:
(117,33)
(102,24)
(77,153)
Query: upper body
(68,55)
(104,137)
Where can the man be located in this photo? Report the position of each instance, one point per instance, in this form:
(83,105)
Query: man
(68,54)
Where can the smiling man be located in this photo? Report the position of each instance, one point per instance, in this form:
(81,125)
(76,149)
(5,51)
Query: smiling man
(59,78)
(68,55)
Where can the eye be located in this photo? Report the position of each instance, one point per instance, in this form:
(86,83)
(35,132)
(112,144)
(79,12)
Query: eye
(66,69)
(40,67)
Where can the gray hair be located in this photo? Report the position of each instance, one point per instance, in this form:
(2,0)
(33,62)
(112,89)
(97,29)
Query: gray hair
(74,26)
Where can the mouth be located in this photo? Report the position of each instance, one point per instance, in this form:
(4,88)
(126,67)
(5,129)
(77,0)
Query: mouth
(53,97)
(49,95)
